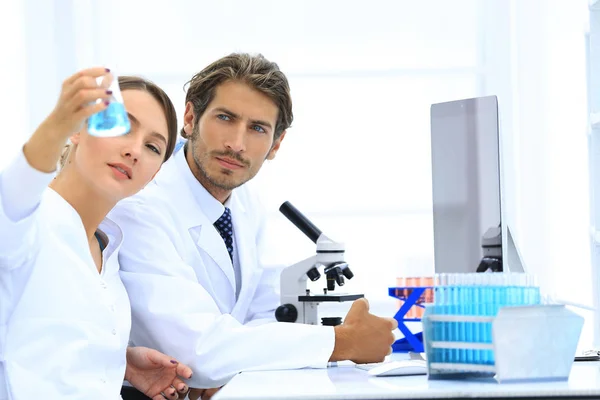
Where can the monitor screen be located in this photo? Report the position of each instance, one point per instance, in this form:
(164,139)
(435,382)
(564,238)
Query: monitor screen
(466,182)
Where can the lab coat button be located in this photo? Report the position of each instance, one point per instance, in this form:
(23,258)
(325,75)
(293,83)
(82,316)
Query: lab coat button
(114,331)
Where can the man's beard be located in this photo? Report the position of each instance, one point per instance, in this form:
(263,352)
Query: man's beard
(218,182)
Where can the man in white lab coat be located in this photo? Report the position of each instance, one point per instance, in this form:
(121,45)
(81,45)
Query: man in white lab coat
(198,230)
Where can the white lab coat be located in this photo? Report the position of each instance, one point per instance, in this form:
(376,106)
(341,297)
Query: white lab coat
(64,327)
(181,284)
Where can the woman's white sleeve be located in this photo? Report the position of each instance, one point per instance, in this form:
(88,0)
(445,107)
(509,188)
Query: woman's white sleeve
(21,190)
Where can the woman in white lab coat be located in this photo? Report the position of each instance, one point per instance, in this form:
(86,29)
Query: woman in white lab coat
(64,313)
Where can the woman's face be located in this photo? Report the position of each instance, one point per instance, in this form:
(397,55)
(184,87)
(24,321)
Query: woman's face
(119,167)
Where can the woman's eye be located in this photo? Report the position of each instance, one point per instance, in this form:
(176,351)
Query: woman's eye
(153,148)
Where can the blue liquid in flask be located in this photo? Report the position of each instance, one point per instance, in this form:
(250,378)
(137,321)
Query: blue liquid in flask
(110,122)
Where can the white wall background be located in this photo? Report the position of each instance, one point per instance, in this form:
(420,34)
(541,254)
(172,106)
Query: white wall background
(363,75)
(14,110)
(549,127)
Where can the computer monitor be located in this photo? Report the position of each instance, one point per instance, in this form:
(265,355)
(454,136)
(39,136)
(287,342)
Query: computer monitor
(469,234)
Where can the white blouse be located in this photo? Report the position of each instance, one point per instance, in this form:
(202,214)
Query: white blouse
(64,327)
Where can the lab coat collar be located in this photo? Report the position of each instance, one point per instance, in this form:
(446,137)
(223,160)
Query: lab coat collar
(114,234)
(211,208)
(68,217)
(176,180)
(201,210)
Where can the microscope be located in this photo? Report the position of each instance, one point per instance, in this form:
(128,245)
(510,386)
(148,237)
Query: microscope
(491,244)
(298,304)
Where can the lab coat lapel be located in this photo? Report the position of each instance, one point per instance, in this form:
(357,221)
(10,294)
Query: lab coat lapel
(246,247)
(208,240)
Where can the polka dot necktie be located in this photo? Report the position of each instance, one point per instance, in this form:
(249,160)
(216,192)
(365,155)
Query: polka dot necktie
(225,228)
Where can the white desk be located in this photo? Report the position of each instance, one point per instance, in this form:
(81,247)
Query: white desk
(348,382)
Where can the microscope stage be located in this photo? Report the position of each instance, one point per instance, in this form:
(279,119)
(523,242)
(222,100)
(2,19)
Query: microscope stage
(330,297)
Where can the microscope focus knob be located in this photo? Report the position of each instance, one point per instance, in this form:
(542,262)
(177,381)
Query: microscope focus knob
(286,313)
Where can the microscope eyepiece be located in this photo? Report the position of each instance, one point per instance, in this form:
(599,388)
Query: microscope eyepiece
(301,222)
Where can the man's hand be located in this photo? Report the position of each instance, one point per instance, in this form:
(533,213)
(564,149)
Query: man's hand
(363,337)
(156,374)
(202,394)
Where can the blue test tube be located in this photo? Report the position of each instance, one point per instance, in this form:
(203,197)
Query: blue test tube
(441,301)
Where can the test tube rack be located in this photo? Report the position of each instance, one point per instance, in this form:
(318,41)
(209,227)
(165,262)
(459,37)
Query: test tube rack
(410,297)
(528,343)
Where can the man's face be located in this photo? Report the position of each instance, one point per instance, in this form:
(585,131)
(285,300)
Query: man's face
(233,137)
